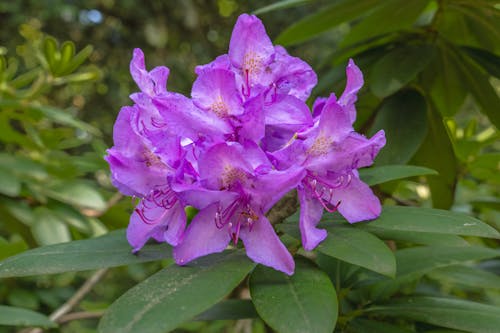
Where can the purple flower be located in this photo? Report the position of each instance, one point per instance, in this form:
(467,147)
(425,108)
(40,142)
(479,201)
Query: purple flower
(331,152)
(239,187)
(243,140)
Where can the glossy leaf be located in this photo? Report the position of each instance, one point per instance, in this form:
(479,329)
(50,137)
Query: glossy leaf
(417,219)
(421,238)
(176,294)
(489,61)
(378,175)
(110,250)
(303,302)
(14,316)
(398,67)
(445,312)
(325,19)
(403,118)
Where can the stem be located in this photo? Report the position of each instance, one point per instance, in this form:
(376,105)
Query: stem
(59,313)
(286,207)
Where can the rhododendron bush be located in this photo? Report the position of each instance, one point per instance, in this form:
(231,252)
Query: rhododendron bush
(267,207)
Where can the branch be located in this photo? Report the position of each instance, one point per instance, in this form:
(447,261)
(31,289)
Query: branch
(286,207)
(73,301)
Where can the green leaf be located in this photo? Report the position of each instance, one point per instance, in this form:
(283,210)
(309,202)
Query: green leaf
(478,84)
(51,52)
(232,309)
(378,175)
(9,184)
(48,228)
(13,316)
(78,59)
(443,79)
(176,294)
(280,5)
(421,238)
(398,67)
(394,15)
(110,250)
(417,219)
(303,302)
(437,143)
(325,19)
(416,261)
(472,277)
(403,118)
(360,248)
(67,53)
(489,61)
(76,193)
(445,312)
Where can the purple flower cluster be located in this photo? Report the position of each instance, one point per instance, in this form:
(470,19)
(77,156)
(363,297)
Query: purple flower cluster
(242,141)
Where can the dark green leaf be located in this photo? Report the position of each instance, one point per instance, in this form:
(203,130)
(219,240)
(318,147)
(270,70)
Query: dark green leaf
(325,19)
(176,294)
(480,87)
(416,219)
(378,175)
(403,118)
(453,313)
(303,302)
(422,238)
(107,251)
(398,67)
(231,309)
(392,16)
(13,316)
(489,61)
(436,152)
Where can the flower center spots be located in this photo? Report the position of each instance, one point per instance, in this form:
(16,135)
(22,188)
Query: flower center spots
(230,175)
(321,146)
(219,107)
(252,63)
(151,159)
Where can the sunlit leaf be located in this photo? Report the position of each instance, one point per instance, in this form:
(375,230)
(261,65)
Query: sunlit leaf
(377,175)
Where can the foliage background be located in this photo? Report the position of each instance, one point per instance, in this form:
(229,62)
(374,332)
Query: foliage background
(431,74)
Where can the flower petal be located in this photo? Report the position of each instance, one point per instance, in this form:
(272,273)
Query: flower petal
(201,237)
(354,84)
(215,90)
(263,246)
(151,83)
(171,222)
(311,211)
(357,201)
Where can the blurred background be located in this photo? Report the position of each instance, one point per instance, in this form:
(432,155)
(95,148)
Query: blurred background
(431,71)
